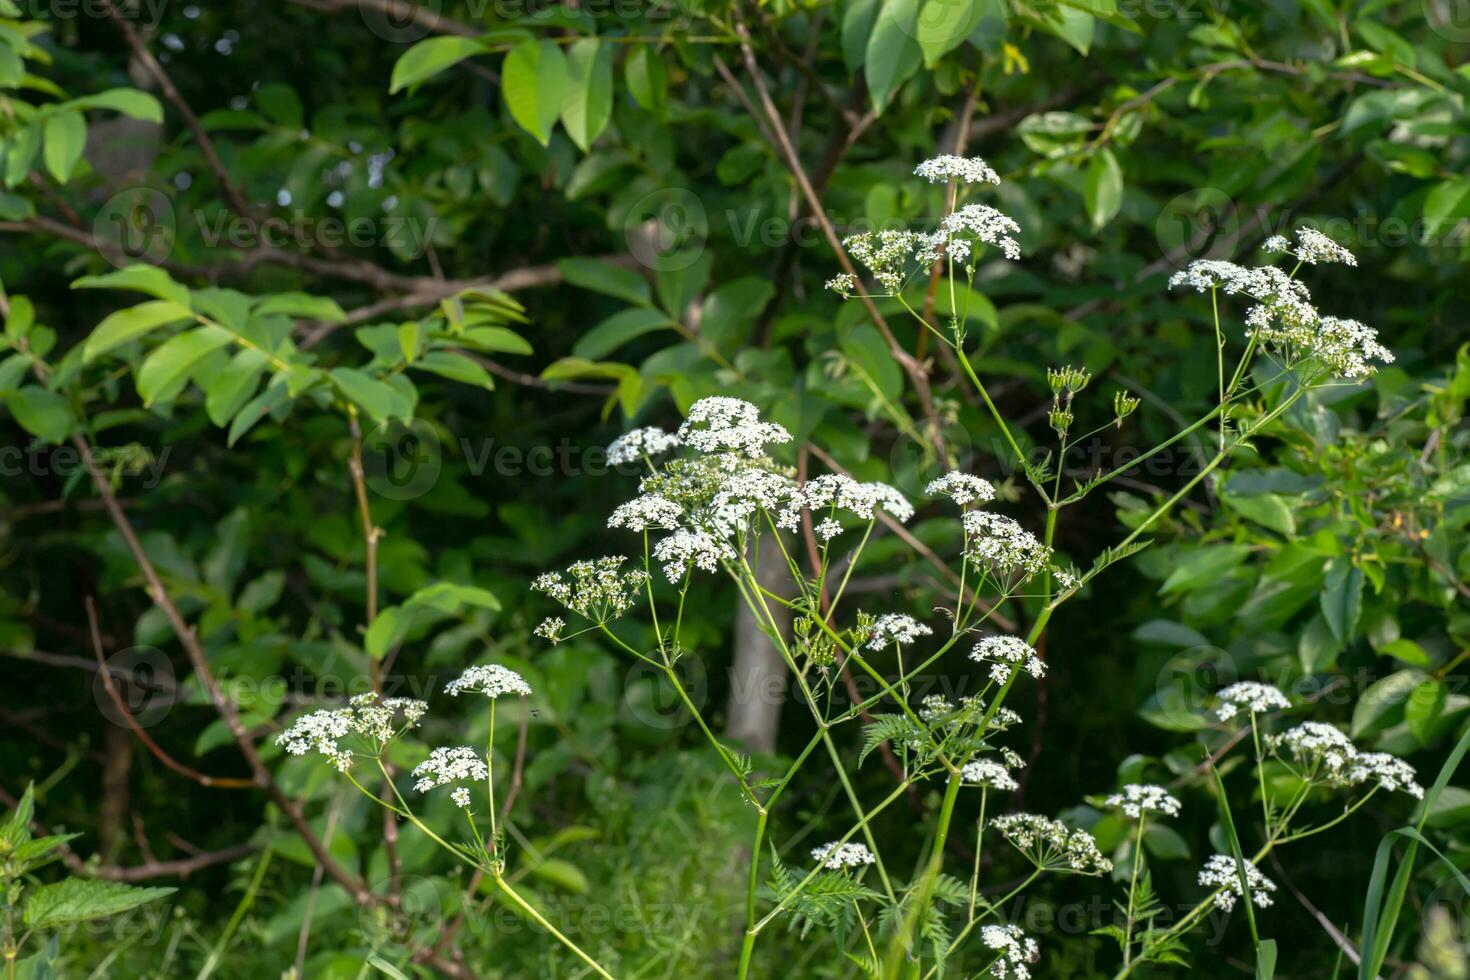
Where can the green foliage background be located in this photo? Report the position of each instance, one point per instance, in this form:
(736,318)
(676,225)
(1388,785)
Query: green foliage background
(612,183)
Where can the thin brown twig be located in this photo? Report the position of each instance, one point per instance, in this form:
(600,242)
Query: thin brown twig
(105,673)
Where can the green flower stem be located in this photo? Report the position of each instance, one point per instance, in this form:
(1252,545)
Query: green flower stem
(1133,891)
(898,948)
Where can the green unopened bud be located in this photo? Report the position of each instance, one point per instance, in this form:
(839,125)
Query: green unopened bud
(1124,405)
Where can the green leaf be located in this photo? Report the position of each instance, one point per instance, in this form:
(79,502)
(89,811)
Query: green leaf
(128,101)
(66,137)
(21,319)
(1446,202)
(1424,709)
(130,324)
(893,53)
(1406,650)
(1268,510)
(74,900)
(943,26)
(587,102)
(495,339)
(379,399)
(564,874)
(533,81)
(857,28)
(430,57)
(300,306)
(16,830)
(1104,195)
(1205,565)
(227,393)
(42,412)
(604,278)
(449,597)
(455,367)
(1342,597)
(257,408)
(618,329)
(648,79)
(173,361)
(139,279)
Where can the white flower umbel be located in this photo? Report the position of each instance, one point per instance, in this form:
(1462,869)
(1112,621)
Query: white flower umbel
(1006,652)
(446,767)
(962,488)
(1388,771)
(491,680)
(1347,347)
(750,490)
(946,168)
(836,857)
(989,773)
(844,284)
(1139,799)
(895,628)
(1254,697)
(835,490)
(1017,951)
(461,797)
(690,548)
(375,720)
(828,529)
(1002,547)
(1312,247)
(719,424)
(886,254)
(551,628)
(648,512)
(984,224)
(1329,757)
(639,444)
(1222,872)
(1265,283)
(1051,845)
(597,589)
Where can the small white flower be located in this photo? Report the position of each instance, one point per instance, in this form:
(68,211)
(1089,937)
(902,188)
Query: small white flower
(719,424)
(647,512)
(597,590)
(1051,845)
(962,488)
(635,445)
(835,856)
(1005,652)
(1017,951)
(687,548)
(835,490)
(491,680)
(844,284)
(1255,697)
(1136,800)
(461,797)
(551,629)
(828,529)
(988,773)
(1002,547)
(376,720)
(984,224)
(446,766)
(1222,872)
(895,628)
(945,168)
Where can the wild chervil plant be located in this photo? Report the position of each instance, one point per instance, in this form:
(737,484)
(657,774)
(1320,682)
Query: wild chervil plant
(713,496)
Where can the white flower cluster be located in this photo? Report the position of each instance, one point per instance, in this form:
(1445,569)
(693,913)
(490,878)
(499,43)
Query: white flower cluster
(962,488)
(1002,547)
(491,680)
(719,424)
(444,767)
(647,512)
(1284,321)
(598,589)
(1136,800)
(1017,951)
(1051,845)
(835,856)
(689,547)
(895,628)
(1312,247)
(945,168)
(936,707)
(988,773)
(640,443)
(742,494)
(1330,757)
(845,284)
(1222,872)
(834,490)
(378,720)
(550,628)
(979,221)
(1256,698)
(884,253)
(1005,652)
